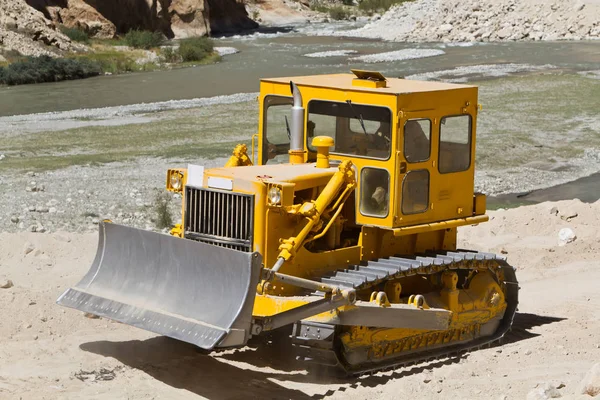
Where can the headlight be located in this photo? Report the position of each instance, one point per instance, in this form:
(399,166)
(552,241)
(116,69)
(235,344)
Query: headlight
(176,180)
(274,195)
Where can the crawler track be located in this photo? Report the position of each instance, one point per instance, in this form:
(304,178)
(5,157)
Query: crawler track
(323,348)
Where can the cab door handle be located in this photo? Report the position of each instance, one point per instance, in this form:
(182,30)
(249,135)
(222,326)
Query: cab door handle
(403,167)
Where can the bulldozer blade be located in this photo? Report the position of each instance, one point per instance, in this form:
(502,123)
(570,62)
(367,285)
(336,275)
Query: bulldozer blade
(188,290)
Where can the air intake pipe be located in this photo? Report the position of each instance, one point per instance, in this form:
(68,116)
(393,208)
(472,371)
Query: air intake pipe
(297,127)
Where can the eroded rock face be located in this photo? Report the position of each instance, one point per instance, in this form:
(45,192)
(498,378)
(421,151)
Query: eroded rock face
(79,14)
(27,31)
(175,18)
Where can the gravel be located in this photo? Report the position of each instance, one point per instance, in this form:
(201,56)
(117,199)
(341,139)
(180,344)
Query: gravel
(463,74)
(485,20)
(108,116)
(398,55)
(77,198)
(225,51)
(331,53)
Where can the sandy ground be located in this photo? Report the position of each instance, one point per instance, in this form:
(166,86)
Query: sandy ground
(47,352)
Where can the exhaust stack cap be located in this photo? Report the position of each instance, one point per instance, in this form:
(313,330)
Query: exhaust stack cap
(322,144)
(297,151)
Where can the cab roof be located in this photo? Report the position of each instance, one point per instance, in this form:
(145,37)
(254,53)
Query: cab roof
(344,82)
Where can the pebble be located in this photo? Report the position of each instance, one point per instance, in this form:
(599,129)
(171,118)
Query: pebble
(62,237)
(6,283)
(565,236)
(28,248)
(544,392)
(14,219)
(591,382)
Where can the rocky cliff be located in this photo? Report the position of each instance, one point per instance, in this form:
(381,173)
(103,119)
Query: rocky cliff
(175,18)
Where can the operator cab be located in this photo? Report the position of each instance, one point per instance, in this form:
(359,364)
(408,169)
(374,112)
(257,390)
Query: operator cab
(412,143)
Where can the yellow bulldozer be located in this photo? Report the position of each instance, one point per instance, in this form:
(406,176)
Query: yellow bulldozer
(342,226)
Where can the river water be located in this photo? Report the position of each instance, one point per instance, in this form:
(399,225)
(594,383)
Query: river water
(539,126)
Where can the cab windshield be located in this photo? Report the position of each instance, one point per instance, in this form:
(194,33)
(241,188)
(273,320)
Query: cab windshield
(358,130)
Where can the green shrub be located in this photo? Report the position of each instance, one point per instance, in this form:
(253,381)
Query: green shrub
(338,13)
(113,61)
(161,208)
(47,69)
(170,55)
(75,34)
(195,49)
(144,39)
(371,6)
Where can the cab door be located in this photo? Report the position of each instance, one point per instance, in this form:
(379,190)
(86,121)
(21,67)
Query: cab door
(416,149)
(436,168)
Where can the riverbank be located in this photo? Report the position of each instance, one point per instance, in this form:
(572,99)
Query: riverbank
(112,58)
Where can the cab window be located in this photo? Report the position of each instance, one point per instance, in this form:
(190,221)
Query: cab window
(358,130)
(417,140)
(415,192)
(374,192)
(455,144)
(276,125)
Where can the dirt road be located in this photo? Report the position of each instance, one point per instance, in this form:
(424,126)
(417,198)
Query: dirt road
(47,352)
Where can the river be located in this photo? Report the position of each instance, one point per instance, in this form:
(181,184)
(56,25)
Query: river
(539,126)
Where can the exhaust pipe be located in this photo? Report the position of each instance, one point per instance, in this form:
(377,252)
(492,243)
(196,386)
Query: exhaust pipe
(297,127)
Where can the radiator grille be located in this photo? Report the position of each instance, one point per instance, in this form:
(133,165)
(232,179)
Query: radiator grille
(221,218)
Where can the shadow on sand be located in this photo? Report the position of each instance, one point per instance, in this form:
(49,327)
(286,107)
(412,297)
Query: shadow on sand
(254,370)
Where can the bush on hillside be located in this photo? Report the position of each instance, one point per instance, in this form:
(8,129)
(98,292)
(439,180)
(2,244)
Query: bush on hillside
(47,69)
(372,6)
(195,49)
(75,34)
(338,13)
(143,39)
